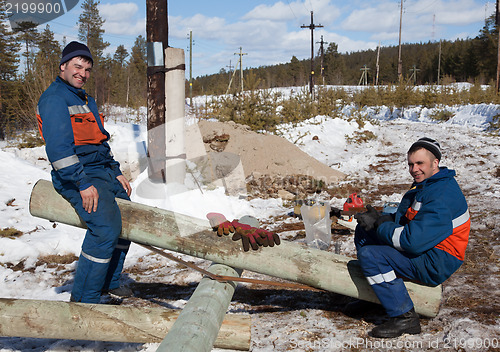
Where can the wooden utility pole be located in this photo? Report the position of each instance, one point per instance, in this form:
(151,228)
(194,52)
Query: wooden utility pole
(157,42)
(241,67)
(400,62)
(414,71)
(240,62)
(439,62)
(497,21)
(230,69)
(322,53)
(377,65)
(312,27)
(106,322)
(187,235)
(364,76)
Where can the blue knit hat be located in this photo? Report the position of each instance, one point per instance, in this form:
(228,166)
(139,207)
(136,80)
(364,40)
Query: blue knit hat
(75,49)
(429,144)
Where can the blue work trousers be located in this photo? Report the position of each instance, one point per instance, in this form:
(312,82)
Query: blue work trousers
(384,266)
(103,253)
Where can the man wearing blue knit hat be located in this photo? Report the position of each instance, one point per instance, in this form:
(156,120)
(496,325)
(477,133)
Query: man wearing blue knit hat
(424,241)
(86,174)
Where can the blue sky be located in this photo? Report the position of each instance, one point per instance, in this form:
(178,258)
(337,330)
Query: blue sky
(269,30)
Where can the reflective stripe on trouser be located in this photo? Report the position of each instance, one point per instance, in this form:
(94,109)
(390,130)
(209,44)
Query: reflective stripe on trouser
(104,227)
(383,266)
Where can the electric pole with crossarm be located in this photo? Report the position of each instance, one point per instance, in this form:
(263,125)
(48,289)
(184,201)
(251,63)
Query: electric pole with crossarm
(312,27)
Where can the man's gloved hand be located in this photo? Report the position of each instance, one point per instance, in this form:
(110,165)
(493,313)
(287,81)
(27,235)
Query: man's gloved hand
(220,224)
(335,212)
(383,218)
(249,236)
(368,219)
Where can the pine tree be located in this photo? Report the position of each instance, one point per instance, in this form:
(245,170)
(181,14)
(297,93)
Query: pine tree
(333,66)
(119,76)
(137,92)
(8,69)
(45,67)
(27,33)
(47,58)
(90,31)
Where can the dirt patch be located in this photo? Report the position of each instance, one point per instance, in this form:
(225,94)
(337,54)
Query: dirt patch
(55,260)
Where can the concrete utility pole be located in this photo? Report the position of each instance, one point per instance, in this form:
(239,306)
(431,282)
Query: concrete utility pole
(157,42)
(191,68)
(322,53)
(400,62)
(312,27)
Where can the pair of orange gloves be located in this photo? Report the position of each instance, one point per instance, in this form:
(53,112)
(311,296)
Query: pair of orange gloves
(245,229)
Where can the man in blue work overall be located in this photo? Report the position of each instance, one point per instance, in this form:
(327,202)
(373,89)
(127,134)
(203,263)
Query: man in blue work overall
(86,174)
(424,241)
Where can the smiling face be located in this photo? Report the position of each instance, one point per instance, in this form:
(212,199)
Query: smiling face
(422,164)
(76,71)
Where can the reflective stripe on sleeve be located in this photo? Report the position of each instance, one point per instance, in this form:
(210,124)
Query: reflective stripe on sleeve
(416,205)
(65,162)
(396,235)
(462,219)
(94,259)
(378,279)
(78,109)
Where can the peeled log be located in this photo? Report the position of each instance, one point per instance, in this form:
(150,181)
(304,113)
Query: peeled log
(184,234)
(199,322)
(102,322)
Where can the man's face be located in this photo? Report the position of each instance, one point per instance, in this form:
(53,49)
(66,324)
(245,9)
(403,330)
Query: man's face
(76,71)
(422,164)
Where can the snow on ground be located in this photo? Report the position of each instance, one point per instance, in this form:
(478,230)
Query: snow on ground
(281,320)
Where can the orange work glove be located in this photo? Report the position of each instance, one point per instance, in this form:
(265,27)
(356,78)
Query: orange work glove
(248,235)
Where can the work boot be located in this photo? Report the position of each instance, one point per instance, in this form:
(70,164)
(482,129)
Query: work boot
(121,292)
(407,323)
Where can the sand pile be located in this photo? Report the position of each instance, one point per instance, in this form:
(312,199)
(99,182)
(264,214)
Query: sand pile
(260,154)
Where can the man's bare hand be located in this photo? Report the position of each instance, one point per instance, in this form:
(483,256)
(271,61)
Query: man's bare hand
(125,184)
(90,197)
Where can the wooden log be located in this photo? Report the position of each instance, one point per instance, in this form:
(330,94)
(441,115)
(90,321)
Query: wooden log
(198,325)
(290,261)
(102,322)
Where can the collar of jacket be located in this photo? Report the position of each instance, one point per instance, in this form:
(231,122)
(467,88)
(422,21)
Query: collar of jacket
(443,172)
(78,91)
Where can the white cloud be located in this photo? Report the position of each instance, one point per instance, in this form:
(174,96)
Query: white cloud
(121,19)
(297,11)
(120,12)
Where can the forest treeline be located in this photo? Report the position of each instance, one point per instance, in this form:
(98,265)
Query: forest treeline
(29,62)
(472,60)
